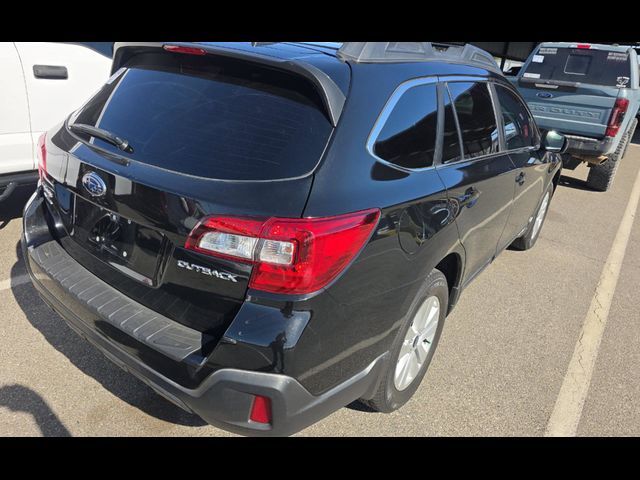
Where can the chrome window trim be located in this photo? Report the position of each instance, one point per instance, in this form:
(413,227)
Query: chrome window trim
(394,98)
(386,113)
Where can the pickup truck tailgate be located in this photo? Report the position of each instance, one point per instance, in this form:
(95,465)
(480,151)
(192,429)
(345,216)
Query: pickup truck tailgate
(581,111)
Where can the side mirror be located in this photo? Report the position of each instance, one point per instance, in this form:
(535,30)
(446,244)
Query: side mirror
(554,142)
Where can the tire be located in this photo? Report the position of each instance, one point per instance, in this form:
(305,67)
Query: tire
(601,176)
(530,236)
(632,131)
(389,396)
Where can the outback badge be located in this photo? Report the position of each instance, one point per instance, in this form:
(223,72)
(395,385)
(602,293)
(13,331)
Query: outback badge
(230,277)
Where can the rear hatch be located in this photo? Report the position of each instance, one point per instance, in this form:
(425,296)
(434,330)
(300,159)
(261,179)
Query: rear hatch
(205,136)
(573,90)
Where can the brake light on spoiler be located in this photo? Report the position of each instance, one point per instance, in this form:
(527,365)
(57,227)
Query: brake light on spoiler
(290,255)
(187,50)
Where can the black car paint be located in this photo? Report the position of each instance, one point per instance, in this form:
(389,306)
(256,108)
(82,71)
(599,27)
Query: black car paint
(322,339)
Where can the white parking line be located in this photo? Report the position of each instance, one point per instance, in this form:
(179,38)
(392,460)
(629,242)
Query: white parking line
(14,282)
(573,393)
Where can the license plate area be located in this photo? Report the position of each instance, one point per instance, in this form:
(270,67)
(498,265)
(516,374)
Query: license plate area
(131,248)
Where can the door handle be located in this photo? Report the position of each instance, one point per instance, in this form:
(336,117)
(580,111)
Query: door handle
(469,198)
(8,191)
(520,178)
(52,72)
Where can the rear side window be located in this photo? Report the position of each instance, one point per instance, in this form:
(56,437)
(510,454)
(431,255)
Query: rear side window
(451,151)
(212,117)
(408,137)
(476,117)
(519,130)
(596,67)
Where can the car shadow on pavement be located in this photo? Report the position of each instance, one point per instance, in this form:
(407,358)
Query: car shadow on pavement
(576,183)
(358,406)
(90,361)
(19,398)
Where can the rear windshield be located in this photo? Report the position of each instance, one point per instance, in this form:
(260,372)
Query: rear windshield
(596,67)
(211,117)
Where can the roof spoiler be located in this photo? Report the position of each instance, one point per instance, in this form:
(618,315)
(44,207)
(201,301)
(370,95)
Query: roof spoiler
(332,97)
(398,52)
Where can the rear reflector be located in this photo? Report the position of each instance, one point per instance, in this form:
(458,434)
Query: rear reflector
(42,155)
(187,50)
(290,255)
(617,116)
(261,410)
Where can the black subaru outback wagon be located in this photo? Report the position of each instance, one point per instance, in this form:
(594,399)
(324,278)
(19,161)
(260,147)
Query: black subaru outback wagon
(264,233)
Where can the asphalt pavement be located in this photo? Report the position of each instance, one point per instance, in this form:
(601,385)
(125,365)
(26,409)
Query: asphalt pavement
(498,369)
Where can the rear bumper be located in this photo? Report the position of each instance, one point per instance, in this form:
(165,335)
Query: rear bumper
(223,398)
(590,147)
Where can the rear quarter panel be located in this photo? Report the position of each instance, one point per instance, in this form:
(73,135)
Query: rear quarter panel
(359,315)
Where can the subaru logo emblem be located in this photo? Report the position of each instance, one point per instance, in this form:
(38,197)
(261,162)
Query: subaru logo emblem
(544,95)
(93,184)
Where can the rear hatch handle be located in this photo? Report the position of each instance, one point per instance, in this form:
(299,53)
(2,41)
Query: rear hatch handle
(102,134)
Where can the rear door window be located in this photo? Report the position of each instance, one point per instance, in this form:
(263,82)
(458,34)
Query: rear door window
(584,65)
(451,151)
(478,126)
(408,137)
(519,130)
(212,117)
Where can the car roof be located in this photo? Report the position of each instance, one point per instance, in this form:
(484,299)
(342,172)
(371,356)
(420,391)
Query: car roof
(315,54)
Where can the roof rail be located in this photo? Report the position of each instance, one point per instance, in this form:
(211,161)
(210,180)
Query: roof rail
(396,52)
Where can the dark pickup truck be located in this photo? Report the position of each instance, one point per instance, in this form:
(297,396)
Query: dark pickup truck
(589,93)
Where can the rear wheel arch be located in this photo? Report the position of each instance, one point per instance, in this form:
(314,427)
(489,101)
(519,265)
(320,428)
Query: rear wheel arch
(451,268)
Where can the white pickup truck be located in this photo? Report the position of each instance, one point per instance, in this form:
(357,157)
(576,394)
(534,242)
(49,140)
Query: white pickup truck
(41,83)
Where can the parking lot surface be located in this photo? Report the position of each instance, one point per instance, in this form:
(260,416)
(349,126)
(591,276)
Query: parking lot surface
(498,370)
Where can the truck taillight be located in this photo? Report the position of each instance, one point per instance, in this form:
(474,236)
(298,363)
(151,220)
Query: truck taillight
(617,115)
(290,255)
(42,155)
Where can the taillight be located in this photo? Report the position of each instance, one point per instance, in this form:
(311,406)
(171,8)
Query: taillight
(187,50)
(617,115)
(290,255)
(42,155)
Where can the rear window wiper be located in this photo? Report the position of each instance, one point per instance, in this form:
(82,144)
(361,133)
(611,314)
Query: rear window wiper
(102,134)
